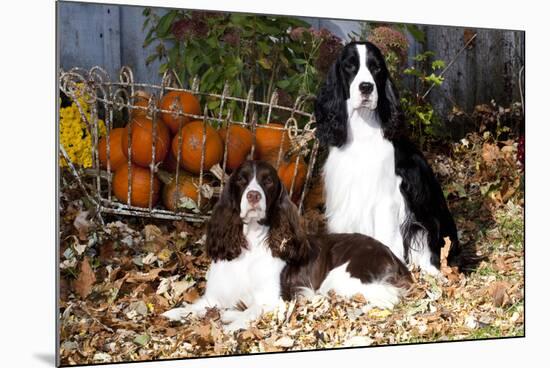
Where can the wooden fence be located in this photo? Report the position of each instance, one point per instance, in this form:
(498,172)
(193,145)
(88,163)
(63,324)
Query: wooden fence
(112,36)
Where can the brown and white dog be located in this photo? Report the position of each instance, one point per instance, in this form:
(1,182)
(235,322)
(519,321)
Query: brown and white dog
(261,253)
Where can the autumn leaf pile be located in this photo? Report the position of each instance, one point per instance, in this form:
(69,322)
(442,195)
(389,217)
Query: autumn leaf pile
(116,279)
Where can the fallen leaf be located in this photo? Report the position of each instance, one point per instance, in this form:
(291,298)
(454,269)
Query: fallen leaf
(102,357)
(470,322)
(490,153)
(203,332)
(212,314)
(191,295)
(165,254)
(498,291)
(179,287)
(135,277)
(82,224)
(246,335)
(106,251)
(139,307)
(149,258)
(86,279)
(142,339)
(450,272)
(358,341)
(378,313)
(151,233)
(359,298)
(284,342)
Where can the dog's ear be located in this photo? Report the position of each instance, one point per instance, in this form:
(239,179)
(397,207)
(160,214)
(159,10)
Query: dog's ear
(331,112)
(389,108)
(287,236)
(224,233)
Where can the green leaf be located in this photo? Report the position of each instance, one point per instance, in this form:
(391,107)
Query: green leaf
(264,47)
(145,24)
(284,60)
(142,339)
(412,71)
(435,79)
(163,68)
(150,58)
(438,64)
(239,19)
(212,42)
(265,63)
(173,54)
(165,23)
(416,32)
(424,56)
(214,104)
(283,84)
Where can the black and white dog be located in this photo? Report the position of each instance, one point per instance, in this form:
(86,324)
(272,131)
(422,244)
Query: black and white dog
(376,181)
(261,254)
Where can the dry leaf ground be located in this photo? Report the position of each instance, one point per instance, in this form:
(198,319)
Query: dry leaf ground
(136,269)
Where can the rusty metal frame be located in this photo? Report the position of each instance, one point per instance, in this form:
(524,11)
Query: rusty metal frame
(99,90)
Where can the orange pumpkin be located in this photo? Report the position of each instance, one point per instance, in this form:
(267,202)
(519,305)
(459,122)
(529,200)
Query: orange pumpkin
(117,156)
(239,145)
(175,100)
(141,99)
(191,147)
(142,140)
(188,186)
(141,186)
(267,139)
(286,173)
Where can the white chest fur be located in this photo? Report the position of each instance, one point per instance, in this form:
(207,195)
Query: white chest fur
(253,278)
(362,189)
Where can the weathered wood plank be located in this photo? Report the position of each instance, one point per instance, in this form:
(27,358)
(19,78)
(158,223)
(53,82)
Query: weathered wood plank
(111,38)
(133,53)
(487,70)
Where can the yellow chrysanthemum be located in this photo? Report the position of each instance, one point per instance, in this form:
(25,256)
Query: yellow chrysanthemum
(74,135)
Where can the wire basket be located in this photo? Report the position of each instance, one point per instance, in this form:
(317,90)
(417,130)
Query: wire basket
(113,101)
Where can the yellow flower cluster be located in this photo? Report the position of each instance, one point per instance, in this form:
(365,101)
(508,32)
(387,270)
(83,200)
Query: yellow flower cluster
(74,135)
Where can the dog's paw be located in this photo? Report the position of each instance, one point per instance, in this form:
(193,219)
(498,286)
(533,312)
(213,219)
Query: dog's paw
(236,325)
(230,316)
(177,314)
(235,320)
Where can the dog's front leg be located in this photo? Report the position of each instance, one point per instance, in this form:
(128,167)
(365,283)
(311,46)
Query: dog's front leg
(197,309)
(237,320)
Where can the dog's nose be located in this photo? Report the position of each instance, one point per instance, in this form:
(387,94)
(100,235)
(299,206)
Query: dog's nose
(366,87)
(253,196)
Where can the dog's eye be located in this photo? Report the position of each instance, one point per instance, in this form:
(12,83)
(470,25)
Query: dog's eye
(350,67)
(268,180)
(241,179)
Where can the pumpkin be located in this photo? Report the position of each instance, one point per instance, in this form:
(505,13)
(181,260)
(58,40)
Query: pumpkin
(239,145)
(175,100)
(286,173)
(188,186)
(267,139)
(117,156)
(141,186)
(141,99)
(192,148)
(142,141)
